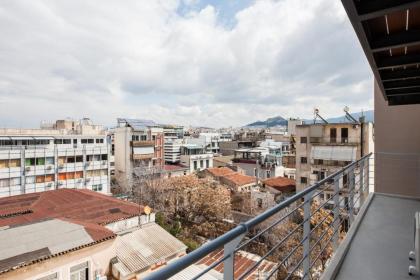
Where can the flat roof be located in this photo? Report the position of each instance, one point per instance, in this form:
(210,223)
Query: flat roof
(390,37)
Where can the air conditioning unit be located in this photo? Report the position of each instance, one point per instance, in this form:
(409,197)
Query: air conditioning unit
(49,185)
(61,166)
(28,168)
(415,255)
(49,167)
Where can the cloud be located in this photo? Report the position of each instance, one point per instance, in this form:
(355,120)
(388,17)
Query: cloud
(107,59)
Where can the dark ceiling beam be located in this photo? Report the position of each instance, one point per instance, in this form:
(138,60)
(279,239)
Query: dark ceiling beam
(397,61)
(403,100)
(402,39)
(377,8)
(403,91)
(401,84)
(399,74)
(351,11)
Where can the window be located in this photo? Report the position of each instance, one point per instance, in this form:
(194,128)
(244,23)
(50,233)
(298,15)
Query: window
(318,161)
(40,179)
(333,135)
(30,179)
(62,176)
(97,187)
(303,140)
(66,141)
(79,158)
(104,157)
(90,141)
(207,163)
(30,162)
(344,135)
(195,165)
(4,183)
(303,180)
(135,138)
(80,272)
(49,178)
(201,163)
(53,276)
(153,137)
(71,159)
(268,173)
(40,161)
(143,137)
(49,160)
(78,174)
(74,141)
(84,141)
(99,141)
(4,163)
(303,160)
(58,141)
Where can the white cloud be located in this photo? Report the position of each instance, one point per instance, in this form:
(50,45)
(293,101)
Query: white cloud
(108,59)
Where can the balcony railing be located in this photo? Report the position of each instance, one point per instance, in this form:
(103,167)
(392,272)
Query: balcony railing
(335,140)
(299,251)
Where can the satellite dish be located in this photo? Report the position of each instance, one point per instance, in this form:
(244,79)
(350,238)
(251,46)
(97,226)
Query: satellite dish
(346,109)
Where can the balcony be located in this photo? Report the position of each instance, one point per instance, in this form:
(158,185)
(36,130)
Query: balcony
(142,143)
(300,234)
(340,141)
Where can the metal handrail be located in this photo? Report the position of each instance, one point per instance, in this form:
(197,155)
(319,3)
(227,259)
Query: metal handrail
(173,268)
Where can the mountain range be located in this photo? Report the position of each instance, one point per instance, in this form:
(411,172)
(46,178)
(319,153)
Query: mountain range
(280,121)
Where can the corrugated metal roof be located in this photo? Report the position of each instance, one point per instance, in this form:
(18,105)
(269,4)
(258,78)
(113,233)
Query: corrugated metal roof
(145,247)
(193,270)
(342,153)
(54,235)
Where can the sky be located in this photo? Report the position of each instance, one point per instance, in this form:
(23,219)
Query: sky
(190,62)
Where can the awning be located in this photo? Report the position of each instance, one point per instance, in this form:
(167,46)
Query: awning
(341,153)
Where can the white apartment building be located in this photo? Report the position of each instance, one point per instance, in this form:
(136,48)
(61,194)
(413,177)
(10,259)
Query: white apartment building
(36,160)
(323,149)
(172,149)
(195,157)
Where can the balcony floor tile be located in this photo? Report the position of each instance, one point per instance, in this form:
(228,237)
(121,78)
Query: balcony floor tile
(381,245)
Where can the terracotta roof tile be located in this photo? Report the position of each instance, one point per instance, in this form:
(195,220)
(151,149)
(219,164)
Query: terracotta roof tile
(242,262)
(220,171)
(239,179)
(84,207)
(281,184)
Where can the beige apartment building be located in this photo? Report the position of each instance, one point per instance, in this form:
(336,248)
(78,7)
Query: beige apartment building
(137,144)
(323,149)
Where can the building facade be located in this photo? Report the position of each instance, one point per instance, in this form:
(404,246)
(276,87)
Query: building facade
(36,160)
(137,144)
(323,149)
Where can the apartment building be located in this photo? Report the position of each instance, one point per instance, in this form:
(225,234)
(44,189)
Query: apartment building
(195,157)
(172,150)
(323,149)
(69,154)
(137,144)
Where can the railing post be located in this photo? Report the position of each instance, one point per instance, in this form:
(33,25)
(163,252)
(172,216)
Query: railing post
(229,263)
(336,223)
(368,174)
(306,235)
(362,183)
(351,195)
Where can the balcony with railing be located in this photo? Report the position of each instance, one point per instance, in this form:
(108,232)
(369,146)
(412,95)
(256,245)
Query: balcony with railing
(299,235)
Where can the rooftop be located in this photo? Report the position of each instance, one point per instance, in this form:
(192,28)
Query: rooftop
(242,261)
(220,171)
(239,179)
(55,222)
(282,184)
